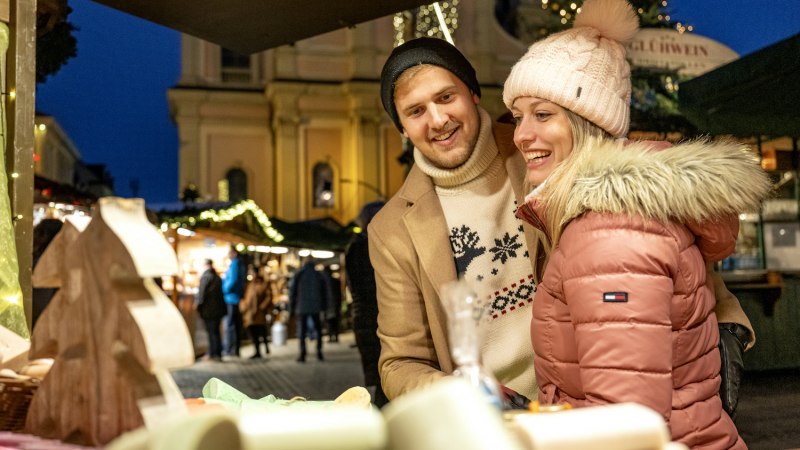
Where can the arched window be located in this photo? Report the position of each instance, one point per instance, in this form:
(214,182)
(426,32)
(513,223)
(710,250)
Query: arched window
(322,175)
(237,185)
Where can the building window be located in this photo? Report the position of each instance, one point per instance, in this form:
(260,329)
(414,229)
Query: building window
(235,67)
(322,175)
(237,185)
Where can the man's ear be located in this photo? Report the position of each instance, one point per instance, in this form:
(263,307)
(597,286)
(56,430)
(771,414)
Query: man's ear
(476,99)
(405,134)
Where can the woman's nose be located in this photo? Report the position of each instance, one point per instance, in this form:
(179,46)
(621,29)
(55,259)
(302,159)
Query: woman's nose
(524,133)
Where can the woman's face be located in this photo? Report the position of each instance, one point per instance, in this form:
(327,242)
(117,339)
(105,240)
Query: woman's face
(543,135)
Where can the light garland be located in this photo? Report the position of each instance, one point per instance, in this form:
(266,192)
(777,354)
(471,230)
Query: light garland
(226,215)
(569,9)
(426,22)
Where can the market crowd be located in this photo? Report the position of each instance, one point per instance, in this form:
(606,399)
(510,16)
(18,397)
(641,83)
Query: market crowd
(242,301)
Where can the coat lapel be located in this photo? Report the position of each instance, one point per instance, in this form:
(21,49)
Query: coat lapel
(427,228)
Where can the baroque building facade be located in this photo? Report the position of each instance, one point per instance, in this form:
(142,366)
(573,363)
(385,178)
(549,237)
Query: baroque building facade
(300,128)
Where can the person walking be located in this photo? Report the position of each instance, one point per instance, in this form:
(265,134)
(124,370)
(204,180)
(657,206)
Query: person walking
(255,306)
(333,313)
(309,296)
(428,234)
(361,281)
(233,285)
(210,305)
(625,310)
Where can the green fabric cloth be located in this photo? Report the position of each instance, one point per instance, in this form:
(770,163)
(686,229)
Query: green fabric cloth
(218,391)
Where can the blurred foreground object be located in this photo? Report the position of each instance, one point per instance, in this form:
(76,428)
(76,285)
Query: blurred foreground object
(450,413)
(114,335)
(623,426)
(201,431)
(13,349)
(464,313)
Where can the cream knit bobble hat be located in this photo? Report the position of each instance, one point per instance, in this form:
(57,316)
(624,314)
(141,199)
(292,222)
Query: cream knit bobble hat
(583,69)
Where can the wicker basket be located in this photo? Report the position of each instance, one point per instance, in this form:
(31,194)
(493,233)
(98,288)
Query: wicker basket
(15,398)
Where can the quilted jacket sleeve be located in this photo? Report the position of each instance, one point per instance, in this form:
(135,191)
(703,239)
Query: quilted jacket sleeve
(618,288)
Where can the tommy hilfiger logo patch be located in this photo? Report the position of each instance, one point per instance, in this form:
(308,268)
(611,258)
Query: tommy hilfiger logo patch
(615,297)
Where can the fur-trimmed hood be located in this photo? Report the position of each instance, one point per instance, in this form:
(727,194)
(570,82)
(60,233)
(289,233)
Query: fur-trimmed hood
(690,182)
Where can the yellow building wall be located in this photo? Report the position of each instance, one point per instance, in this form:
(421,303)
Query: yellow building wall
(243,150)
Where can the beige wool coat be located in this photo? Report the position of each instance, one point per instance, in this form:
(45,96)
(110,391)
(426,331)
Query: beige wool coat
(410,251)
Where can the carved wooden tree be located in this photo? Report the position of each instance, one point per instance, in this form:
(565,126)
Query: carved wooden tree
(48,273)
(116,334)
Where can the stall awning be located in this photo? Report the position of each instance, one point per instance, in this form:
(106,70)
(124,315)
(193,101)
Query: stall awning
(246,221)
(758,94)
(248,26)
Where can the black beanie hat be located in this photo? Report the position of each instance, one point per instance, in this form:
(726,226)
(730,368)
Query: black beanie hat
(423,51)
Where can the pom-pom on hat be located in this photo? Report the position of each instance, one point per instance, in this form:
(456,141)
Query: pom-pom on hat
(423,51)
(583,69)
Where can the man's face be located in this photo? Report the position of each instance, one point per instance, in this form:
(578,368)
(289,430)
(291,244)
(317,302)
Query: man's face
(439,115)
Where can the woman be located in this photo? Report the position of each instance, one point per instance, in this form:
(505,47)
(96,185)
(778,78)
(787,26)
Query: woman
(255,306)
(624,312)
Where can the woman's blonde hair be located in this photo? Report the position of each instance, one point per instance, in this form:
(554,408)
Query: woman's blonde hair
(556,191)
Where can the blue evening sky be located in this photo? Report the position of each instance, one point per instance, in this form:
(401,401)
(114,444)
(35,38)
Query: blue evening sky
(111,98)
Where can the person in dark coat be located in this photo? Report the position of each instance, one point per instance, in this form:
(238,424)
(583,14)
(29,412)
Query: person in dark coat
(210,305)
(309,296)
(361,281)
(333,315)
(43,234)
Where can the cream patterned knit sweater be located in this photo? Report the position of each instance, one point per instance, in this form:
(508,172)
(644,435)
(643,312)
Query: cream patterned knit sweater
(490,253)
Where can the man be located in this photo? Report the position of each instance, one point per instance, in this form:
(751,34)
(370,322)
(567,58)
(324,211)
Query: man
(233,284)
(453,217)
(210,305)
(309,296)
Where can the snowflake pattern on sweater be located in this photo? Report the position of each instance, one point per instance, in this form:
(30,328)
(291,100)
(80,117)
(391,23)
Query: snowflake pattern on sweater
(516,288)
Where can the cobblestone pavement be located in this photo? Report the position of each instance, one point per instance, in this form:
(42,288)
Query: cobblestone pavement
(279,374)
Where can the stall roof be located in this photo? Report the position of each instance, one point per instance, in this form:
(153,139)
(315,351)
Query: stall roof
(246,221)
(756,94)
(248,26)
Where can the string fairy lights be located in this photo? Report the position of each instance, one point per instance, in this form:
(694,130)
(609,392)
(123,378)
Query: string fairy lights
(438,19)
(226,215)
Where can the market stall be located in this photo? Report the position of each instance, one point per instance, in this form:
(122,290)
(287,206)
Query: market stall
(754,99)
(200,231)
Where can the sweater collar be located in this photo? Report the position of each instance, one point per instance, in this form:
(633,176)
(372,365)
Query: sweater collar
(484,153)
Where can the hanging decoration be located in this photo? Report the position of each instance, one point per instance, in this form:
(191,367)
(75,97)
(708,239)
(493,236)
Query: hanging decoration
(217,216)
(12,311)
(438,20)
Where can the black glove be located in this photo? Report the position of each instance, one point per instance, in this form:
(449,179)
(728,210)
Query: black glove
(513,399)
(732,340)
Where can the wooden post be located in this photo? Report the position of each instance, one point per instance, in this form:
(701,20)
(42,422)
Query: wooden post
(21,105)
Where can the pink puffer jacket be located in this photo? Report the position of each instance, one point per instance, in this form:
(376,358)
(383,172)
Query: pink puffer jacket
(624,312)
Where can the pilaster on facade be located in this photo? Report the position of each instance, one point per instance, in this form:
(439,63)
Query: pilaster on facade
(221,130)
(369,151)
